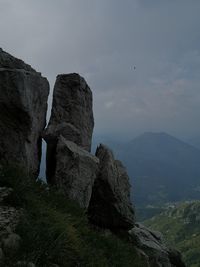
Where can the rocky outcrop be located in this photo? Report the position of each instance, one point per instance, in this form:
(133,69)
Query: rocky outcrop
(152,244)
(110,205)
(71,116)
(23,105)
(98,183)
(76,171)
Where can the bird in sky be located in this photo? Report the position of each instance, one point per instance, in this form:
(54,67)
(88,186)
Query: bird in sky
(133,68)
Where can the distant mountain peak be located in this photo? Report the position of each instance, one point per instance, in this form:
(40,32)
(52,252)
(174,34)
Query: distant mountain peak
(157,138)
(157,135)
(159,163)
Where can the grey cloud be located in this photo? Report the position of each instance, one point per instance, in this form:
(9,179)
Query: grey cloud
(103,41)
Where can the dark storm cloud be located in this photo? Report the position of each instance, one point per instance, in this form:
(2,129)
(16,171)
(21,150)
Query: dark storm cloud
(104,40)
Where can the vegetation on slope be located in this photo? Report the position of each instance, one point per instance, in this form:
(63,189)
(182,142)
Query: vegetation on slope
(181,227)
(55,230)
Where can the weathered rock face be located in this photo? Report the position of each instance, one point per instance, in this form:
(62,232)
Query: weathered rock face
(76,170)
(110,205)
(152,244)
(71,116)
(23,106)
(7,61)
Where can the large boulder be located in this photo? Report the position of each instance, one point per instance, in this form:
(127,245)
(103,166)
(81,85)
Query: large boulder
(76,171)
(71,116)
(153,245)
(23,104)
(110,205)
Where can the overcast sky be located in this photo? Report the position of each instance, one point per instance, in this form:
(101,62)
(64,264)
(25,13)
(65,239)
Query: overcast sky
(103,40)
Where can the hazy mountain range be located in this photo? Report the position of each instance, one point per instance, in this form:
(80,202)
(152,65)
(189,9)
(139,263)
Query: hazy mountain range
(194,141)
(161,167)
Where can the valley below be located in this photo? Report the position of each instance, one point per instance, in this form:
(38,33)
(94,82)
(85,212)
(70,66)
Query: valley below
(180,225)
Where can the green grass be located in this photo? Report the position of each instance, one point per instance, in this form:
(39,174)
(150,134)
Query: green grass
(54,230)
(181,227)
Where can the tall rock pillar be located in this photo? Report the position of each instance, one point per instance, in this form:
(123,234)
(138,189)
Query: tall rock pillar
(71,117)
(23,106)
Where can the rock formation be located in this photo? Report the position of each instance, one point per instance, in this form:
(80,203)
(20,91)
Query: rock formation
(71,116)
(23,105)
(98,183)
(110,205)
(76,170)
(152,244)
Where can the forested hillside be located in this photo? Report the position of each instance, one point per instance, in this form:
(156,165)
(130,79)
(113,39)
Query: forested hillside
(181,227)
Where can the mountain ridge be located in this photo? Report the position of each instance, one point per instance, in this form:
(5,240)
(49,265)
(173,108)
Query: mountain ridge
(158,163)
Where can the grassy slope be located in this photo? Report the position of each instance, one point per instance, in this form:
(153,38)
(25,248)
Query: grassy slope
(181,227)
(56,231)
